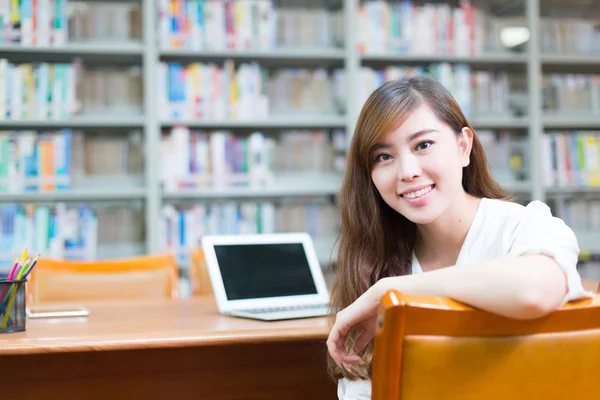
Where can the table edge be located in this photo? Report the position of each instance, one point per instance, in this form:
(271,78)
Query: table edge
(116,343)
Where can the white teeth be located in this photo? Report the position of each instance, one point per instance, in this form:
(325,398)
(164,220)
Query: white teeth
(418,193)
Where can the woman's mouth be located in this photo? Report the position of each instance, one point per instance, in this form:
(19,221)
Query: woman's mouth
(415,194)
(418,196)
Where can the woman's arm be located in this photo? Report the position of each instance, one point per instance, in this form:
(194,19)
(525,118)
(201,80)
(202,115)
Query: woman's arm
(525,287)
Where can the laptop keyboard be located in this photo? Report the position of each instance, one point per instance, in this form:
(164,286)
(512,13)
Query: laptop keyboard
(286,308)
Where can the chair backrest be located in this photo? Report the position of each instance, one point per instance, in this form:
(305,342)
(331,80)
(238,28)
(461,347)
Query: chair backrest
(434,348)
(145,277)
(199,277)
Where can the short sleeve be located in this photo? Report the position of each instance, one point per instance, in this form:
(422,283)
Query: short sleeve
(354,390)
(539,232)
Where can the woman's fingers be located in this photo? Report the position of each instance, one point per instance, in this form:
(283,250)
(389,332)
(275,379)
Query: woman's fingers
(336,347)
(339,354)
(334,352)
(351,359)
(359,315)
(336,340)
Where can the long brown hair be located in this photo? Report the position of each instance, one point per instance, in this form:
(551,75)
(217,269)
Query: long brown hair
(375,241)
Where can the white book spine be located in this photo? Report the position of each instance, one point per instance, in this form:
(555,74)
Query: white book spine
(217,153)
(164,16)
(3,88)
(44,18)
(181,148)
(57,100)
(16,95)
(69,104)
(42,92)
(26,22)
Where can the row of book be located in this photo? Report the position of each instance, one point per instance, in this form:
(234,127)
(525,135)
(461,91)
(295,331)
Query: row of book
(183,227)
(46,23)
(103,21)
(57,232)
(107,154)
(569,93)
(463,28)
(384,26)
(204,91)
(32,162)
(195,159)
(453,28)
(37,91)
(582,215)
(34,22)
(245,25)
(571,158)
(569,35)
(477,92)
(119,224)
(313,92)
(47,91)
(59,160)
(110,90)
(208,91)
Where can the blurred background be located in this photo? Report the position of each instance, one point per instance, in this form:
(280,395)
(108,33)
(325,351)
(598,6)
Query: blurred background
(136,127)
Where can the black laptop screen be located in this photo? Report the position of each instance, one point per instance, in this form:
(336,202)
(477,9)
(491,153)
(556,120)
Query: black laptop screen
(252,271)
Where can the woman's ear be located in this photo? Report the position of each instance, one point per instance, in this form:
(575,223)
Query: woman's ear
(465,144)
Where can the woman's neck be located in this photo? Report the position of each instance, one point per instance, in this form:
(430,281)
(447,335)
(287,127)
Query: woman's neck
(441,240)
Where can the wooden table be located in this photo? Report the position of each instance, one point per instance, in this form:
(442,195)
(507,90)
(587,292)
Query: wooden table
(181,349)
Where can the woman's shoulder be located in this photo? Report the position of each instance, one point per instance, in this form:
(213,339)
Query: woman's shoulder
(509,209)
(502,220)
(502,225)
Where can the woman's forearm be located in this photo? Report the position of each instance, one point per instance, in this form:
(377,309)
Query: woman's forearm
(526,287)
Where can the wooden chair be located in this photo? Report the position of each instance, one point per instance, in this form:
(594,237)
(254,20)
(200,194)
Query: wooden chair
(436,348)
(152,276)
(199,277)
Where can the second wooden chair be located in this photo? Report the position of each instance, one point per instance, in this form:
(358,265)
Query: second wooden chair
(144,277)
(199,277)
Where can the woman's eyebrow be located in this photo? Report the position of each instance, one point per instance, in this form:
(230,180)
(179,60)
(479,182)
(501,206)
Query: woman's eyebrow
(422,132)
(378,146)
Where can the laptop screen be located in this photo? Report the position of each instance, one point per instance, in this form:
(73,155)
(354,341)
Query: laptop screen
(251,271)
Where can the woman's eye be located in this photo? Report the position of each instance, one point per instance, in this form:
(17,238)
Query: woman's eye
(382,157)
(424,145)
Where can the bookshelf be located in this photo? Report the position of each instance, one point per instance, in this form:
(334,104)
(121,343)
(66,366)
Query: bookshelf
(273,122)
(147,53)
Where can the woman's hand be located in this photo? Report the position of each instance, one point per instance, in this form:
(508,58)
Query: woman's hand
(361,314)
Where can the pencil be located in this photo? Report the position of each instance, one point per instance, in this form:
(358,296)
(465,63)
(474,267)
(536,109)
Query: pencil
(8,308)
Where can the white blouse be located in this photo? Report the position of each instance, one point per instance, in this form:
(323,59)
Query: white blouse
(502,229)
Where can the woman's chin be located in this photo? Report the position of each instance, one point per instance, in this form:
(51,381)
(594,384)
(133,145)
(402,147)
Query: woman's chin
(422,220)
(421,217)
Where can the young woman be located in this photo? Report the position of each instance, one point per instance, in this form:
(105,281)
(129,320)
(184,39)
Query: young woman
(421,214)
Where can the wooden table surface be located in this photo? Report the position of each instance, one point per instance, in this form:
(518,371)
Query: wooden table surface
(179,349)
(154,324)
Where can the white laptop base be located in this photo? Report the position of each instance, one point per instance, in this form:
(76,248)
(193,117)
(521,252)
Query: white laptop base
(267,277)
(274,314)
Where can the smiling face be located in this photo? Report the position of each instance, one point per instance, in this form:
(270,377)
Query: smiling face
(418,168)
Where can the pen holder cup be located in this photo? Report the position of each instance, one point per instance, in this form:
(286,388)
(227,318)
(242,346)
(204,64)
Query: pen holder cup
(12,306)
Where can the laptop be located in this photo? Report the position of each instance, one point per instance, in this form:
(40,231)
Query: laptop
(266,276)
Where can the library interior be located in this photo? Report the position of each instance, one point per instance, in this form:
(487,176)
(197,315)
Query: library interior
(231,121)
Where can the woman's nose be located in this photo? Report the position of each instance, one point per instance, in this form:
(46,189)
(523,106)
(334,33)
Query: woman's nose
(409,168)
